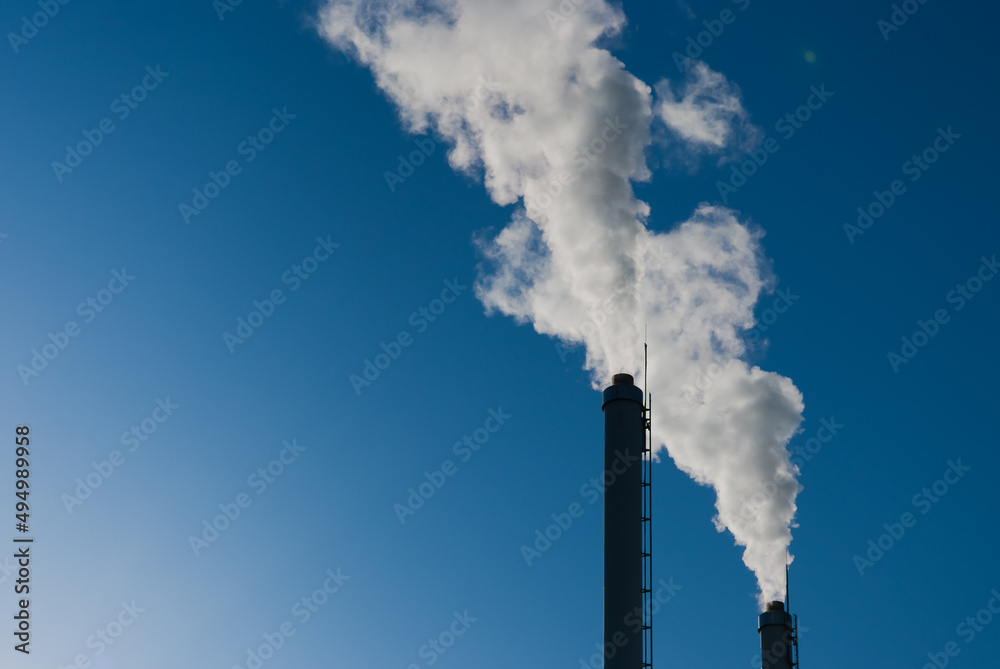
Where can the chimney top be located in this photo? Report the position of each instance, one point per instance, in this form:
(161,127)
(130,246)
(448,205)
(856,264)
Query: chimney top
(775,606)
(622,380)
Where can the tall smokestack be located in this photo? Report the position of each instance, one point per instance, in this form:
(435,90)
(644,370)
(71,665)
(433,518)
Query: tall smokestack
(776,637)
(624,439)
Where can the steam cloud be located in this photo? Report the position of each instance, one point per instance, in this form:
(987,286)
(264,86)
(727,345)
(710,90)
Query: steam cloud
(550,119)
(708,114)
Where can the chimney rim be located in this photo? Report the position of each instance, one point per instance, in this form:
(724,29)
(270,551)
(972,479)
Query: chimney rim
(623,379)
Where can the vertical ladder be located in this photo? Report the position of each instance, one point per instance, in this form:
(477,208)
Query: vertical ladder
(793,635)
(793,653)
(647,539)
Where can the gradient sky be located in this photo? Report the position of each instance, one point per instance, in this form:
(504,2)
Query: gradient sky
(332,507)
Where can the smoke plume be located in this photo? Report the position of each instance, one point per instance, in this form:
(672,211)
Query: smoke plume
(707,114)
(528,100)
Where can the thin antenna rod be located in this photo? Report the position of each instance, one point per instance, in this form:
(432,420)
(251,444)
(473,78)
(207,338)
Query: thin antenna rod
(645,361)
(787,602)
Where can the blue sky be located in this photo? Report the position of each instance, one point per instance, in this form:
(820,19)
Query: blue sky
(381,255)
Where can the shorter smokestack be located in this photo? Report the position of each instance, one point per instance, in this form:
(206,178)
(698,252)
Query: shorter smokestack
(776,637)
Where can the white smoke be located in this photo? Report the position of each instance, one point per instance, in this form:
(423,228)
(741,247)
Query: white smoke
(563,128)
(707,113)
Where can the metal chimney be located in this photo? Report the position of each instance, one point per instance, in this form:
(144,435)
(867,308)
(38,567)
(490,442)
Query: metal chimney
(777,637)
(624,441)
